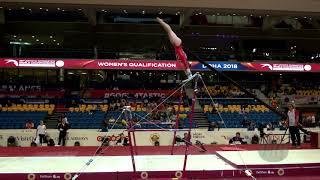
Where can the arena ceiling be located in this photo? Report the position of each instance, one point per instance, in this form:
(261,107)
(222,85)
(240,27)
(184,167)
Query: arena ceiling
(253,6)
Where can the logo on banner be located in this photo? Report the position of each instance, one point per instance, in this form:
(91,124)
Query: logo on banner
(287,67)
(154,138)
(35,63)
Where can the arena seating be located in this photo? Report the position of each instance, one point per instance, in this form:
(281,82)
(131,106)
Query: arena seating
(29,108)
(91,116)
(234,115)
(17,120)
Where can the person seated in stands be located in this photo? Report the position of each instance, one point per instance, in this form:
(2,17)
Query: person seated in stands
(29,124)
(122,141)
(112,120)
(105,124)
(212,126)
(77,143)
(270,126)
(124,123)
(237,139)
(251,126)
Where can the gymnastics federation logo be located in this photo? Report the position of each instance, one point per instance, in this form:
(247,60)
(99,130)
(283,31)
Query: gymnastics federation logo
(15,62)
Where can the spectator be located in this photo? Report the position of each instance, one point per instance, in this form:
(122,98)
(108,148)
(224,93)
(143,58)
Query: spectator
(237,139)
(293,123)
(64,117)
(63,128)
(41,132)
(187,139)
(51,142)
(77,143)
(122,141)
(33,144)
(112,120)
(255,139)
(29,124)
(105,124)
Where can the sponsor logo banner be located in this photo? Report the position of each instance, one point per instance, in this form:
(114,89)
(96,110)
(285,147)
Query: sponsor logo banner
(155,65)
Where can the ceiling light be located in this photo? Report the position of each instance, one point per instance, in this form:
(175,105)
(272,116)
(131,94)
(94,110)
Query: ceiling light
(54,40)
(47,10)
(30,9)
(32,36)
(79,9)
(58,44)
(143,12)
(234,14)
(20,39)
(37,40)
(102,10)
(40,8)
(160,12)
(22,8)
(63,10)
(58,9)
(42,43)
(9,9)
(51,37)
(14,36)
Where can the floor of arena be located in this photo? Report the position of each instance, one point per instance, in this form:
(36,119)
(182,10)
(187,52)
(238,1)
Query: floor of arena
(220,161)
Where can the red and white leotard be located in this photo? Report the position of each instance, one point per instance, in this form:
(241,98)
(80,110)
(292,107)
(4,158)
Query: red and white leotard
(181,56)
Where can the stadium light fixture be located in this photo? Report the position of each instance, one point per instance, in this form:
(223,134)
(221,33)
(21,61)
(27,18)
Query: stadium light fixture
(160,12)
(125,11)
(9,9)
(14,36)
(22,8)
(54,40)
(20,43)
(79,9)
(20,39)
(42,43)
(58,9)
(143,12)
(47,10)
(30,9)
(51,37)
(40,8)
(58,44)
(37,40)
(32,36)
(1,7)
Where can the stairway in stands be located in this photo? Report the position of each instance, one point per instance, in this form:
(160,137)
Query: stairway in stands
(201,119)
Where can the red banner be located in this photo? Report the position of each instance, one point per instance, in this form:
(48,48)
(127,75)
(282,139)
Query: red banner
(155,65)
(90,64)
